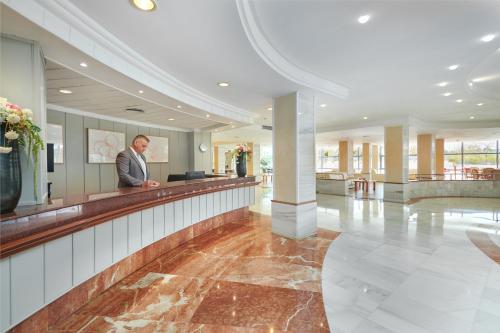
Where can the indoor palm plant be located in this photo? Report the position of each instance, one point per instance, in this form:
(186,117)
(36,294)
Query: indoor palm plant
(16,130)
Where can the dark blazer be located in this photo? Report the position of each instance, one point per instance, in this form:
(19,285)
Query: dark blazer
(129,169)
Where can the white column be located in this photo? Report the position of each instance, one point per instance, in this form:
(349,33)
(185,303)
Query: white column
(294,187)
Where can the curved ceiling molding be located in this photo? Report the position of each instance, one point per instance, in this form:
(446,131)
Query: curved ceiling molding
(279,63)
(66,21)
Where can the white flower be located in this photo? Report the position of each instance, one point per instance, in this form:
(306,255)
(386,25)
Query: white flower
(11,135)
(13,118)
(5,150)
(27,113)
(3,102)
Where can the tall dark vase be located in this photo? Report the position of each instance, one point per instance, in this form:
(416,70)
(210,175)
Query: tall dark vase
(10,177)
(241,165)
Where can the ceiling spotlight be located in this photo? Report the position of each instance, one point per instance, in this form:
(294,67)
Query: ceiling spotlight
(446,94)
(470,84)
(232,126)
(179,106)
(146,5)
(65,91)
(472,117)
(208,116)
(322,105)
(141,91)
(363,19)
(223,84)
(269,109)
(171,119)
(84,64)
(452,67)
(365,118)
(459,100)
(488,38)
(480,104)
(442,84)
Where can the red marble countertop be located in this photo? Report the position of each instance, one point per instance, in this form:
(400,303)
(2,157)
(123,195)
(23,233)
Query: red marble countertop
(30,226)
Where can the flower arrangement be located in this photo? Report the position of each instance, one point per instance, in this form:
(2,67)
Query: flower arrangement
(241,150)
(18,125)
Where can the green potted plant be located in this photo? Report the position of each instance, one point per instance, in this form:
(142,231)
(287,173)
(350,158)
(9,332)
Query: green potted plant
(17,130)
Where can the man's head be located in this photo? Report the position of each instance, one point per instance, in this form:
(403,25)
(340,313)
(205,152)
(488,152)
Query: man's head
(140,143)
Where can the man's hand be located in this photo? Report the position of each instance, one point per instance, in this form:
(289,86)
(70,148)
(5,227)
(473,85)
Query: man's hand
(150,183)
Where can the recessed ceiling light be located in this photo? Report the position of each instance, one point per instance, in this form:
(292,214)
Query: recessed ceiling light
(446,94)
(146,5)
(208,116)
(442,84)
(232,126)
(459,100)
(365,118)
(322,105)
(171,119)
(363,19)
(141,91)
(269,109)
(488,38)
(223,84)
(84,64)
(480,104)
(452,67)
(230,122)
(179,106)
(472,117)
(65,91)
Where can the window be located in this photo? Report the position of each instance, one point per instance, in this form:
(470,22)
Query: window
(357,158)
(467,154)
(327,158)
(480,154)
(412,158)
(381,158)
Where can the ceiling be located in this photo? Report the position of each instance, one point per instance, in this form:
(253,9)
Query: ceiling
(391,64)
(390,67)
(92,96)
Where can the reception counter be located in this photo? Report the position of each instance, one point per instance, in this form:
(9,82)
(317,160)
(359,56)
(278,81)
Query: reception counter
(57,257)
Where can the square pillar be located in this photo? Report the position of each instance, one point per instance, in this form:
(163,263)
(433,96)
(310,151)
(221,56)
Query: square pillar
(375,157)
(425,154)
(345,157)
(367,157)
(396,163)
(439,156)
(294,188)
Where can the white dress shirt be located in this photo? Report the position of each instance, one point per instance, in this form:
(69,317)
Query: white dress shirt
(141,162)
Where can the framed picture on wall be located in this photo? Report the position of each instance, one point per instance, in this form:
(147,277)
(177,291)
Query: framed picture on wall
(55,136)
(157,151)
(104,146)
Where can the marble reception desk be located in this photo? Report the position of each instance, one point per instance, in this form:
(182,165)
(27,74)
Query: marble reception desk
(55,258)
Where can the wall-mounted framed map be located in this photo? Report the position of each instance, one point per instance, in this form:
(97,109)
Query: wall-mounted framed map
(104,146)
(157,151)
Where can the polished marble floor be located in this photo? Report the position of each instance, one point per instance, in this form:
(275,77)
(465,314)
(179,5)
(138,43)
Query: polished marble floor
(237,278)
(429,267)
(433,266)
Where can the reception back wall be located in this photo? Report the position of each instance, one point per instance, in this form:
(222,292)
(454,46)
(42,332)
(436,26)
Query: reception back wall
(77,176)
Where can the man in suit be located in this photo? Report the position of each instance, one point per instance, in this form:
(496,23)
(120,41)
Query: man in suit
(131,165)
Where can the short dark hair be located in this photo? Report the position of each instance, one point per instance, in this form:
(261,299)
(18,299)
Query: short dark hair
(140,136)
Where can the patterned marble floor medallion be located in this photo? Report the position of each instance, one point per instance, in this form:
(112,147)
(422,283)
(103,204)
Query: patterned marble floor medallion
(237,278)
